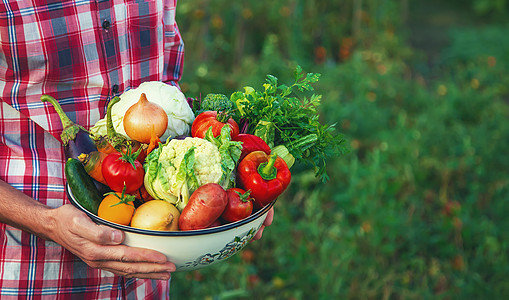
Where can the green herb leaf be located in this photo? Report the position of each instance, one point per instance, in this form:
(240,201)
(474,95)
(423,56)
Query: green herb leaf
(280,116)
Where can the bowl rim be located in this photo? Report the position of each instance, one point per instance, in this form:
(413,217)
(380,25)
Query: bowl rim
(130,229)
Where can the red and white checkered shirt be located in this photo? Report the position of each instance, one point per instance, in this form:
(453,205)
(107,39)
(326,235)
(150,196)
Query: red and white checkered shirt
(81,52)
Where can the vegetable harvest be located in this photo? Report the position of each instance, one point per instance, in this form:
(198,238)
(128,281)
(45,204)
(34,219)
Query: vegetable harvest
(191,166)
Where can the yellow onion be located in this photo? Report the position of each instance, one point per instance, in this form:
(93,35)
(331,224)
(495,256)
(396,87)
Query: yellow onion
(143,119)
(156,215)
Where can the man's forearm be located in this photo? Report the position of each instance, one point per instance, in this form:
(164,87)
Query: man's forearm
(23,212)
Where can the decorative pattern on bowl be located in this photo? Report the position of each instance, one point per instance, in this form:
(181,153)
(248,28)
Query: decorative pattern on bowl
(229,250)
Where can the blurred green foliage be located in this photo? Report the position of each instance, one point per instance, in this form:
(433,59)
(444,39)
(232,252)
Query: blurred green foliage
(417,209)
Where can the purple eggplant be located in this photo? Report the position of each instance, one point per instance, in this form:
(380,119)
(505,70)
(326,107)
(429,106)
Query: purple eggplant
(75,138)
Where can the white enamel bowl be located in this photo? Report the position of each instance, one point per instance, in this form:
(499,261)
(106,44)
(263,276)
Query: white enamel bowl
(194,249)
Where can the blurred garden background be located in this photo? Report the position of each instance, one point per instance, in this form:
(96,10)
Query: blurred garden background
(418,209)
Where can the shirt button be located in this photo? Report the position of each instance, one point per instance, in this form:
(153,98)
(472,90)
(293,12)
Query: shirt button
(114,89)
(106,24)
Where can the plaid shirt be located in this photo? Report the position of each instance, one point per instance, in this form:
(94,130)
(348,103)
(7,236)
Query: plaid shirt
(81,52)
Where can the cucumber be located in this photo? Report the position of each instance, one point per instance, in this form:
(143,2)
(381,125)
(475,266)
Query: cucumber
(82,185)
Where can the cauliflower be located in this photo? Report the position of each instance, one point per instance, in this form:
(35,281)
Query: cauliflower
(170,98)
(174,170)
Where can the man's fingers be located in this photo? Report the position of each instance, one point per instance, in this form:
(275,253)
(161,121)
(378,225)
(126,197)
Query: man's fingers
(155,276)
(138,270)
(124,253)
(132,262)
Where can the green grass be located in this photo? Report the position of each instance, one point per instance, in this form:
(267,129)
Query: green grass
(416,210)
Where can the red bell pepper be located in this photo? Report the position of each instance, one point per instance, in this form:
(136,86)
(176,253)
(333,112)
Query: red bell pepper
(251,143)
(267,176)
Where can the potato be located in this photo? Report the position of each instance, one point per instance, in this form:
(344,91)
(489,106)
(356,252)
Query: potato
(156,215)
(205,206)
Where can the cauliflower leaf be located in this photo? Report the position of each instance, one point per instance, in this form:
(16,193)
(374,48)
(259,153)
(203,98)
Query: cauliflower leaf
(230,152)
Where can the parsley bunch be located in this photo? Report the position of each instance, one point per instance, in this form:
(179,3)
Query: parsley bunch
(281,117)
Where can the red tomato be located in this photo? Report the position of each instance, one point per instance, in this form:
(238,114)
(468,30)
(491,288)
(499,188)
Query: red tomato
(121,169)
(240,205)
(208,119)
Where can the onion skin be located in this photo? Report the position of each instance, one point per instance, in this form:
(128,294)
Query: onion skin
(143,118)
(156,215)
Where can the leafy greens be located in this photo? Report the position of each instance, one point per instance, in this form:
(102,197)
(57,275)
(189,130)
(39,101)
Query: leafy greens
(281,117)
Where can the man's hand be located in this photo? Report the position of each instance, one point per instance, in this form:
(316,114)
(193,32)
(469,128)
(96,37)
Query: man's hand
(100,246)
(97,245)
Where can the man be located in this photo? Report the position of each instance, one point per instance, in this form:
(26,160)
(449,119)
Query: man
(81,53)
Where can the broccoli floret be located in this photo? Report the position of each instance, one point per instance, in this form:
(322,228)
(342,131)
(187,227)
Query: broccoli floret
(217,102)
